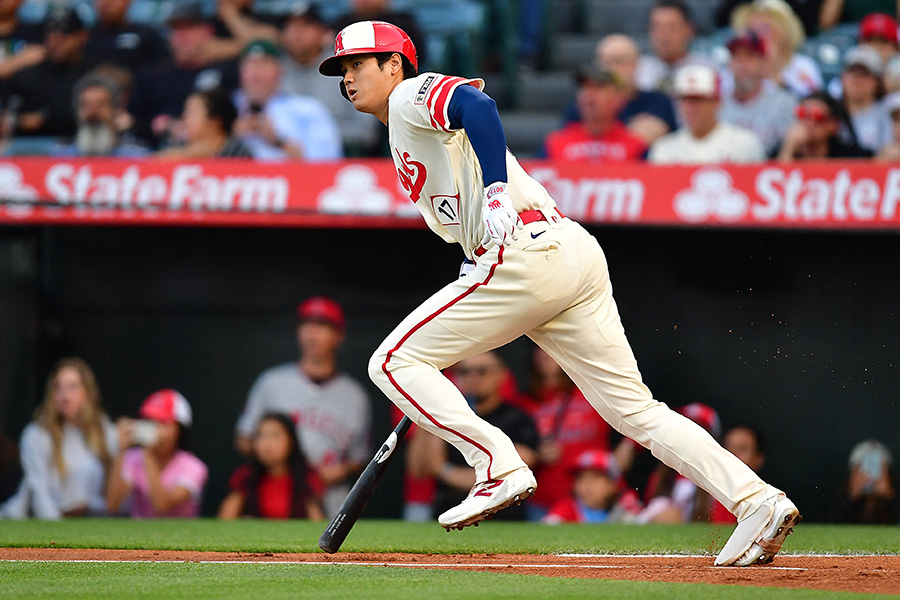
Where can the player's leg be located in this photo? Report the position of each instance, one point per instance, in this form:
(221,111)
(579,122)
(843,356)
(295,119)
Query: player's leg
(589,342)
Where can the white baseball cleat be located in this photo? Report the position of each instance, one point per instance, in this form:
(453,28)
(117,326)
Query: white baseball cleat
(758,538)
(489,497)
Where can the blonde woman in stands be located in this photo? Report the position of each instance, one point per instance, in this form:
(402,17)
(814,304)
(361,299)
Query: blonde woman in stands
(67,449)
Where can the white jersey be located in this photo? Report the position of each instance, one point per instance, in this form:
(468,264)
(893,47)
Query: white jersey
(438,167)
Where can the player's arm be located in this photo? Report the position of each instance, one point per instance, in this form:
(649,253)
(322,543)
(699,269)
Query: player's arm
(476,112)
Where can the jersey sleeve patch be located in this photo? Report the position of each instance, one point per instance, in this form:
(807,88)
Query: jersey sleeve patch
(437,98)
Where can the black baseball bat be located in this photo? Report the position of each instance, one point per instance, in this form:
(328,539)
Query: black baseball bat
(334,535)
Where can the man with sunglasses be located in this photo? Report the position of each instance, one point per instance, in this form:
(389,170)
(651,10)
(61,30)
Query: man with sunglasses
(814,134)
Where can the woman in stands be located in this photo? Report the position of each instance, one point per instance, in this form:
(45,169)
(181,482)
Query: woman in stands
(277,483)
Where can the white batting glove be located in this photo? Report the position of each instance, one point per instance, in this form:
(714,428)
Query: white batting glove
(501,221)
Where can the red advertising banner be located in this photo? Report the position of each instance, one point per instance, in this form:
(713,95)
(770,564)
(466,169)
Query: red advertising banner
(367,193)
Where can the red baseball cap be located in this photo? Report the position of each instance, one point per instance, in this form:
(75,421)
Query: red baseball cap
(599,460)
(322,309)
(878,25)
(749,40)
(704,416)
(166,406)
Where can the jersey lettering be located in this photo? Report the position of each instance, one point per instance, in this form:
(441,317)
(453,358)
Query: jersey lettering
(412,175)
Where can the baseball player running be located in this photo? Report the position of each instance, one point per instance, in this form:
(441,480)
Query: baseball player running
(529,270)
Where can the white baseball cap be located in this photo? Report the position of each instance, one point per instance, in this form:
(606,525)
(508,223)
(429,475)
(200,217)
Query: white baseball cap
(866,57)
(697,81)
(892,102)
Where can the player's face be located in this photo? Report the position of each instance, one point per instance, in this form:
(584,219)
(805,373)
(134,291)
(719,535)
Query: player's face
(368,84)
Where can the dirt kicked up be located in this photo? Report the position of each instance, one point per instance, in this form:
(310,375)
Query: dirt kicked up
(868,574)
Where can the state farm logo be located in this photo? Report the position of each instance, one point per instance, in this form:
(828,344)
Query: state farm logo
(711,195)
(17,196)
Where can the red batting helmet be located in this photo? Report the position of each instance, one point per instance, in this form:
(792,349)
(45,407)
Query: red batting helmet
(368,37)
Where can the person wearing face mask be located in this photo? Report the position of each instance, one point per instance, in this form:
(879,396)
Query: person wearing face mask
(98,106)
(66,451)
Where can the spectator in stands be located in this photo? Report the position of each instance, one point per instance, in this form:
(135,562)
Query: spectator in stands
(879,31)
(704,138)
(647,114)
(814,134)
(568,426)
(98,106)
(330,409)
(782,32)
(67,449)
(869,494)
(161,89)
(154,474)
(746,443)
(114,39)
(307,41)
(599,494)
(236,24)
(380,10)
(862,92)
(276,483)
(21,43)
(480,378)
(276,125)
(206,128)
(755,101)
(45,89)
(10,470)
(806,10)
(852,11)
(599,135)
(891,150)
(671,32)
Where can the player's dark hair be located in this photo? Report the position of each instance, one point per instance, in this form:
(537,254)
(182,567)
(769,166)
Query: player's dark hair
(678,5)
(409,71)
(297,465)
(218,106)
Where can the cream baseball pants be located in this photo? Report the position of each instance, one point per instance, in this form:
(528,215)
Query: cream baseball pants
(551,284)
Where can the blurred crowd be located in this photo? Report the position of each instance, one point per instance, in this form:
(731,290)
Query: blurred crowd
(304,436)
(222,78)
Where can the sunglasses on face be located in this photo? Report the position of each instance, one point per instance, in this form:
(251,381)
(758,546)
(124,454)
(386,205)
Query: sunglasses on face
(816,114)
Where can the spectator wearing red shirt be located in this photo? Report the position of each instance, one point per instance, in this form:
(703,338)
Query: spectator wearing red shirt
(277,483)
(568,426)
(599,135)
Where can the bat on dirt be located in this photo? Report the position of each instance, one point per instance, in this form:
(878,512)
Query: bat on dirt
(334,535)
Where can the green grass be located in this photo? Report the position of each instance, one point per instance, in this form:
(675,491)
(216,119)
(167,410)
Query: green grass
(396,536)
(271,581)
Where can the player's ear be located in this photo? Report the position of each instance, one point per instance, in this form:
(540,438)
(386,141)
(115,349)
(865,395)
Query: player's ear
(396,63)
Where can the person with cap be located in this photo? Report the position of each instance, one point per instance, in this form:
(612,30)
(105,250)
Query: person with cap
(599,493)
(754,101)
(704,138)
(852,11)
(528,270)
(115,39)
(647,114)
(273,124)
(45,89)
(879,31)
(329,408)
(861,98)
(482,380)
(869,494)
(161,89)
(891,150)
(599,136)
(782,32)
(818,120)
(306,40)
(154,474)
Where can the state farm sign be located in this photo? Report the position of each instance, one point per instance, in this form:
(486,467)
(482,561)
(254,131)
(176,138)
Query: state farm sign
(366,193)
